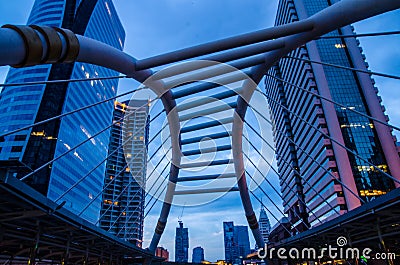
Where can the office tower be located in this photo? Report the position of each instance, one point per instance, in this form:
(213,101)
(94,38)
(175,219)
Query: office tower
(236,242)
(25,105)
(242,239)
(162,253)
(122,212)
(302,180)
(181,243)
(229,242)
(265,225)
(198,255)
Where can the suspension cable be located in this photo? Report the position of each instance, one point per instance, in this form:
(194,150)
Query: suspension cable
(71,112)
(115,221)
(133,212)
(345,67)
(158,198)
(312,159)
(276,172)
(279,221)
(336,103)
(361,35)
(77,146)
(294,169)
(272,201)
(60,81)
(101,163)
(126,166)
(329,137)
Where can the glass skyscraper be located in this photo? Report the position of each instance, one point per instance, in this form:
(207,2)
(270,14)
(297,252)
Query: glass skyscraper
(24,105)
(181,244)
(345,173)
(122,212)
(265,225)
(236,242)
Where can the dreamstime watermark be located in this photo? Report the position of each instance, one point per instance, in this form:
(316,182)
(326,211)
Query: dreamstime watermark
(340,251)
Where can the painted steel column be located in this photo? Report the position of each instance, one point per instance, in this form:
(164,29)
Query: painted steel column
(237,151)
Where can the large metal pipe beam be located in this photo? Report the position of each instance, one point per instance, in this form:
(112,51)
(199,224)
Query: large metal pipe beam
(209,99)
(198,139)
(207,177)
(206,125)
(203,191)
(207,150)
(225,44)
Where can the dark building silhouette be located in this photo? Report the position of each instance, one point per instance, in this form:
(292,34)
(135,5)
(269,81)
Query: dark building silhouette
(198,255)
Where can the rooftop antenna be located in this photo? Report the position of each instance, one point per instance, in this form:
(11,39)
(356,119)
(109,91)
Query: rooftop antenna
(180,216)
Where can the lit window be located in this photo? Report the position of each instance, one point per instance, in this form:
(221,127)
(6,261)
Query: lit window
(339,46)
(108,9)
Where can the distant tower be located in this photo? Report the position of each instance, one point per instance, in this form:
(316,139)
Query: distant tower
(265,226)
(198,255)
(236,241)
(122,211)
(181,243)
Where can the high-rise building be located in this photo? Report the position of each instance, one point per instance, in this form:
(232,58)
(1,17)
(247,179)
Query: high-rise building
(122,211)
(242,239)
(229,242)
(265,225)
(24,105)
(236,242)
(181,243)
(198,255)
(327,193)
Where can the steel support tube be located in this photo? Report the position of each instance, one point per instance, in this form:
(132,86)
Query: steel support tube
(226,80)
(206,125)
(225,44)
(207,150)
(207,177)
(203,191)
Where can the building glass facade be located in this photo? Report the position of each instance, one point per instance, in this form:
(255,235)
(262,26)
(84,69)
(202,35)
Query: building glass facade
(265,225)
(315,193)
(236,242)
(122,212)
(97,20)
(181,244)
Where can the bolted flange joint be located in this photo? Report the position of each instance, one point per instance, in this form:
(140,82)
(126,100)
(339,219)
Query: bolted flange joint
(45,44)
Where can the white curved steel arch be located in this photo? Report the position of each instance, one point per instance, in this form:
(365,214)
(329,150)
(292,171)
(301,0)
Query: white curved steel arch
(15,49)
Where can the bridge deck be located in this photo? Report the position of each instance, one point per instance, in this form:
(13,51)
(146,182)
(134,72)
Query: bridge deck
(360,226)
(27,218)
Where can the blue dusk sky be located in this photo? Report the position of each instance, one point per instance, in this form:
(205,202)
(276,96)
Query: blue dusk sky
(158,26)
